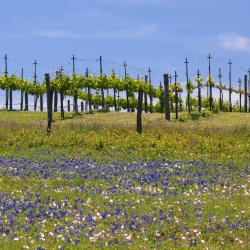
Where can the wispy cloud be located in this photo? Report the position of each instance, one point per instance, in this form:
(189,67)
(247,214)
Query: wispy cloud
(60,34)
(233,41)
(143,32)
(136,2)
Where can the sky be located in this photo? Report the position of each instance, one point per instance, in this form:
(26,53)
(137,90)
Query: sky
(158,34)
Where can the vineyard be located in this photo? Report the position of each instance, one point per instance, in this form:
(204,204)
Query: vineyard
(125,125)
(180,181)
(94,182)
(116,92)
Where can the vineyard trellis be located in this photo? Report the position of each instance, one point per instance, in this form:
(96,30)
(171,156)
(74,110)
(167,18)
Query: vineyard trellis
(80,86)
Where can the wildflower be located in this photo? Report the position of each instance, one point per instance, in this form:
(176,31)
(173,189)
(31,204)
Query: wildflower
(129,237)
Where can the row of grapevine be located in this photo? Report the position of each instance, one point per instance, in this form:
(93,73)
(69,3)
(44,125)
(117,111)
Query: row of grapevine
(87,87)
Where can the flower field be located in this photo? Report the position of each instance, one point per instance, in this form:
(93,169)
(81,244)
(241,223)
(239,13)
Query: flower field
(78,204)
(93,183)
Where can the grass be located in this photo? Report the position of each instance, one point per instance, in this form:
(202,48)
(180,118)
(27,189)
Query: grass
(112,137)
(211,204)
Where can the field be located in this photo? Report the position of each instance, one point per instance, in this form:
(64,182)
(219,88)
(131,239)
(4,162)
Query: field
(94,183)
(112,137)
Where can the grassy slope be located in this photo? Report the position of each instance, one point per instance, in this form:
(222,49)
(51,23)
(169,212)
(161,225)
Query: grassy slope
(112,136)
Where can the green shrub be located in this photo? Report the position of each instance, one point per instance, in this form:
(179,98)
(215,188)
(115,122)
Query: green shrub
(195,115)
(206,113)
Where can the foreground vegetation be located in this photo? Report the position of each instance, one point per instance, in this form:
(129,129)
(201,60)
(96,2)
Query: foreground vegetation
(76,204)
(224,137)
(94,183)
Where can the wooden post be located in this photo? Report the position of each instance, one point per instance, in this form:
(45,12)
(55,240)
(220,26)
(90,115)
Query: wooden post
(26,99)
(55,101)
(188,92)
(127,101)
(248,91)
(61,103)
(7,99)
(89,99)
(145,102)
(230,86)
(115,103)
(150,91)
(245,93)
(210,87)
(240,81)
(146,96)
(10,100)
(21,104)
(199,92)
(139,111)
(118,100)
(220,84)
(49,101)
(68,105)
(41,102)
(166,97)
(199,97)
(6,74)
(35,101)
(176,96)
(102,89)
(89,93)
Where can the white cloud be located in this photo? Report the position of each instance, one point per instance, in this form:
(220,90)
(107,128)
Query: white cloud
(56,34)
(233,41)
(143,32)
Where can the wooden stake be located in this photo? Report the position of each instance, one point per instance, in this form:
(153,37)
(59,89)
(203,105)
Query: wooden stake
(166,97)
(245,93)
(139,111)
(49,101)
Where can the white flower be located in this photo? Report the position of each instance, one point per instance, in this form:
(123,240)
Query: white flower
(157,234)
(129,237)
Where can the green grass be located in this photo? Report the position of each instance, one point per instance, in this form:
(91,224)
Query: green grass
(111,136)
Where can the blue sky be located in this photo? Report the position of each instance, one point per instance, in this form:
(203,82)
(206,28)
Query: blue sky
(146,33)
